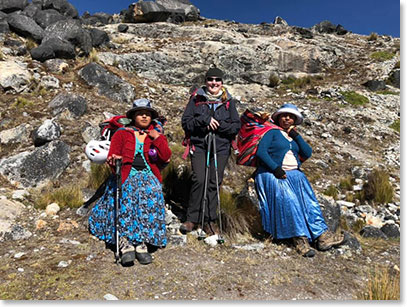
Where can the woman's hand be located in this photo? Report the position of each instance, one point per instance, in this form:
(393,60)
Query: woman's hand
(292,132)
(153,134)
(213,125)
(112,159)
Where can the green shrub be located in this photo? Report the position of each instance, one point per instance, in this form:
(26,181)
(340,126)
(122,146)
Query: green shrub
(274,80)
(66,197)
(382,285)
(378,187)
(98,174)
(386,92)
(396,125)
(332,191)
(346,184)
(354,98)
(21,103)
(382,56)
(235,219)
(373,37)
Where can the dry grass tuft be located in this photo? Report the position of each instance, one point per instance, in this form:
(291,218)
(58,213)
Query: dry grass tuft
(383,284)
(66,197)
(378,187)
(98,174)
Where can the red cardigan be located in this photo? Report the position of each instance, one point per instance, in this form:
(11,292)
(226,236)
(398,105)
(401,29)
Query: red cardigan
(124,144)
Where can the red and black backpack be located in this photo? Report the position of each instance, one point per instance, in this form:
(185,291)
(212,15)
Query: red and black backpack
(254,126)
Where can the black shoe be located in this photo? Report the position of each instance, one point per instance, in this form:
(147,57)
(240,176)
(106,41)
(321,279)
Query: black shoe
(142,254)
(127,252)
(187,227)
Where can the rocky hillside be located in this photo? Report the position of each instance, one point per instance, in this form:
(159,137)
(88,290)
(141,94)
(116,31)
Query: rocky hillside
(62,74)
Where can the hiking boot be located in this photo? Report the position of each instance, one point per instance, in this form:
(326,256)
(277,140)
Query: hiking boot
(211,229)
(328,240)
(186,227)
(302,246)
(142,254)
(126,251)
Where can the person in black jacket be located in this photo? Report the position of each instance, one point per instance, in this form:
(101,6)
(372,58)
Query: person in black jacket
(211,108)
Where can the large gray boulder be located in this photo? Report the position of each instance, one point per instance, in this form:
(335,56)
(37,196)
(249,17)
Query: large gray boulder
(9,211)
(62,6)
(190,11)
(47,132)
(71,31)
(31,169)
(175,11)
(25,26)
(107,83)
(9,6)
(14,76)
(17,134)
(331,212)
(394,78)
(47,17)
(4,28)
(31,9)
(76,105)
(53,48)
(99,37)
(96,19)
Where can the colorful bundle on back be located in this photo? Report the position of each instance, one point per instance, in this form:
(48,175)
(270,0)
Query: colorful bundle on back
(254,126)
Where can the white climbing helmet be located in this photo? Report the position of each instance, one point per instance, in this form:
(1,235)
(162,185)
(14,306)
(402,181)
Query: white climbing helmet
(97,151)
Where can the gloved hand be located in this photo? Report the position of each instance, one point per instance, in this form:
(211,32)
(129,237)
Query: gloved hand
(279,173)
(292,132)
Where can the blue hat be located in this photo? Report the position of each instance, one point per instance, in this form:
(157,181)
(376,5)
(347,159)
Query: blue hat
(141,104)
(288,108)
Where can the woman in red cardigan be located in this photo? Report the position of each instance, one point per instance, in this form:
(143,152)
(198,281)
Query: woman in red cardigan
(143,149)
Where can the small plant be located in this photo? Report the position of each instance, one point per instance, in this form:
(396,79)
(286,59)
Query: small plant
(346,183)
(354,98)
(93,56)
(332,191)
(234,220)
(274,80)
(30,44)
(373,37)
(382,285)
(396,125)
(98,174)
(382,56)
(358,225)
(22,102)
(66,197)
(386,92)
(378,187)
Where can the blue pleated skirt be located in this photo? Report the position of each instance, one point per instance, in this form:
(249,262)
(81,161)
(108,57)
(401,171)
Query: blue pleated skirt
(289,207)
(141,215)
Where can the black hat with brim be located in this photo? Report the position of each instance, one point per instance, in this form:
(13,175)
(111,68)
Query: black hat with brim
(140,105)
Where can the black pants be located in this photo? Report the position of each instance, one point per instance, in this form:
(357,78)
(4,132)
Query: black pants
(198,163)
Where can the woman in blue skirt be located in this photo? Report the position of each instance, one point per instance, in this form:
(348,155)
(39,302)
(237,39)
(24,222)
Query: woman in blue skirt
(143,149)
(288,206)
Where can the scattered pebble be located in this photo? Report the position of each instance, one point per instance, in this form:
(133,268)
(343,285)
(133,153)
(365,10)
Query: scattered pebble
(110,297)
(19,255)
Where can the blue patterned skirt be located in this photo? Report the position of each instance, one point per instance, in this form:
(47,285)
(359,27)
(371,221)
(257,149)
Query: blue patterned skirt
(141,215)
(289,207)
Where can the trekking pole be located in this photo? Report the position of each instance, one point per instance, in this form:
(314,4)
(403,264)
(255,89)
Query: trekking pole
(118,195)
(220,240)
(201,235)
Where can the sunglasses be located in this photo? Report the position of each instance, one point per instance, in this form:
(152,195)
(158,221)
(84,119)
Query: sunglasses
(210,79)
